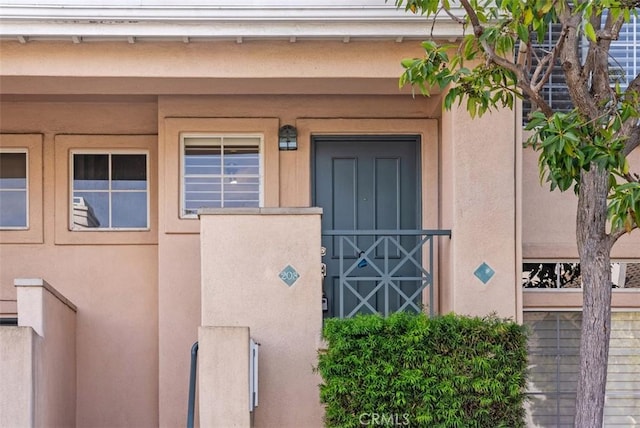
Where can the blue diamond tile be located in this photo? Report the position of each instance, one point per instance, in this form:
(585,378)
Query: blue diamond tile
(484,273)
(289,275)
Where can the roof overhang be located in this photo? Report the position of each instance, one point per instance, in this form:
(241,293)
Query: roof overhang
(186,21)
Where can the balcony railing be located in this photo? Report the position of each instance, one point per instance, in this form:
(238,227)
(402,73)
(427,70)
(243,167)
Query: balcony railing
(379,271)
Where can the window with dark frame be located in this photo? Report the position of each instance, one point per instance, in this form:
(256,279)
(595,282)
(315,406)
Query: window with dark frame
(109,191)
(13,189)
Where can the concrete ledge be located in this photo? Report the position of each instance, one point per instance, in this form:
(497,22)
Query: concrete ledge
(39,282)
(261,211)
(546,299)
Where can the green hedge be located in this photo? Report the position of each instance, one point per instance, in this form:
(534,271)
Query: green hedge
(410,370)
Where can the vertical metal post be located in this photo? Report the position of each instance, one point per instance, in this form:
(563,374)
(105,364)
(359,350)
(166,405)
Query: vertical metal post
(431,311)
(341,288)
(558,362)
(192,386)
(386,272)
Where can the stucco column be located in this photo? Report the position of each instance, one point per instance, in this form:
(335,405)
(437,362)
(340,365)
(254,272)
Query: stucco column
(261,272)
(223,377)
(479,205)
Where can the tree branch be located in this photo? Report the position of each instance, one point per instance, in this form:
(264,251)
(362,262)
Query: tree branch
(616,234)
(633,142)
(492,56)
(634,86)
(545,61)
(598,55)
(478,30)
(551,56)
(452,16)
(535,98)
(524,55)
(632,177)
(577,81)
(629,128)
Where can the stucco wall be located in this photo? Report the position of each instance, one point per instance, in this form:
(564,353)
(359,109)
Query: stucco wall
(223,67)
(179,255)
(548,233)
(138,302)
(549,218)
(479,191)
(114,287)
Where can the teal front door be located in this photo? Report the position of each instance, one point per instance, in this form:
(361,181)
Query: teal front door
(366,184)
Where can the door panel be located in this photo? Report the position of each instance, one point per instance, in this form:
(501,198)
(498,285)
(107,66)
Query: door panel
(367,183)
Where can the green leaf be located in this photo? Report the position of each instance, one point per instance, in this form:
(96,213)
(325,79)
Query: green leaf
(546,7)
(523,32)
(469,47)
(528,16)
(589,31)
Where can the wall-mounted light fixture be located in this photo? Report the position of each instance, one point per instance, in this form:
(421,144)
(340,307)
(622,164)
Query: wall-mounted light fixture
(288,138)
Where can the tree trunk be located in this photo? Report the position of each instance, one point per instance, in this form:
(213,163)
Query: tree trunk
(594,249)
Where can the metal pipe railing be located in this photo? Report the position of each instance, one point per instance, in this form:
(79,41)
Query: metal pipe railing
(192,386)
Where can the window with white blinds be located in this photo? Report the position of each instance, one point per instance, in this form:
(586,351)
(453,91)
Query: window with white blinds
(555,92)
(624,54)
(554,348)
(220,171)
(624,64)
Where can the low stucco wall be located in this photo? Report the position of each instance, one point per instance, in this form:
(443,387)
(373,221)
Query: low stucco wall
(243,253)
(17,374)
(41,354)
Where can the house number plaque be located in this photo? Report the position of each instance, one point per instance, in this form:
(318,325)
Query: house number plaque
(289,275)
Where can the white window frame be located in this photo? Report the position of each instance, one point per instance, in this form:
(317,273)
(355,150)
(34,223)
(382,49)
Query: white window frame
(199,135)
(109,152)
(26,159)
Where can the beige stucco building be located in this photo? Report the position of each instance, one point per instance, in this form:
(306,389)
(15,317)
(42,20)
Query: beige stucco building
(150,197)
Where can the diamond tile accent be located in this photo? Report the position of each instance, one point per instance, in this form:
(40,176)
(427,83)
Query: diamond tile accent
(484,273)
(289,275)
